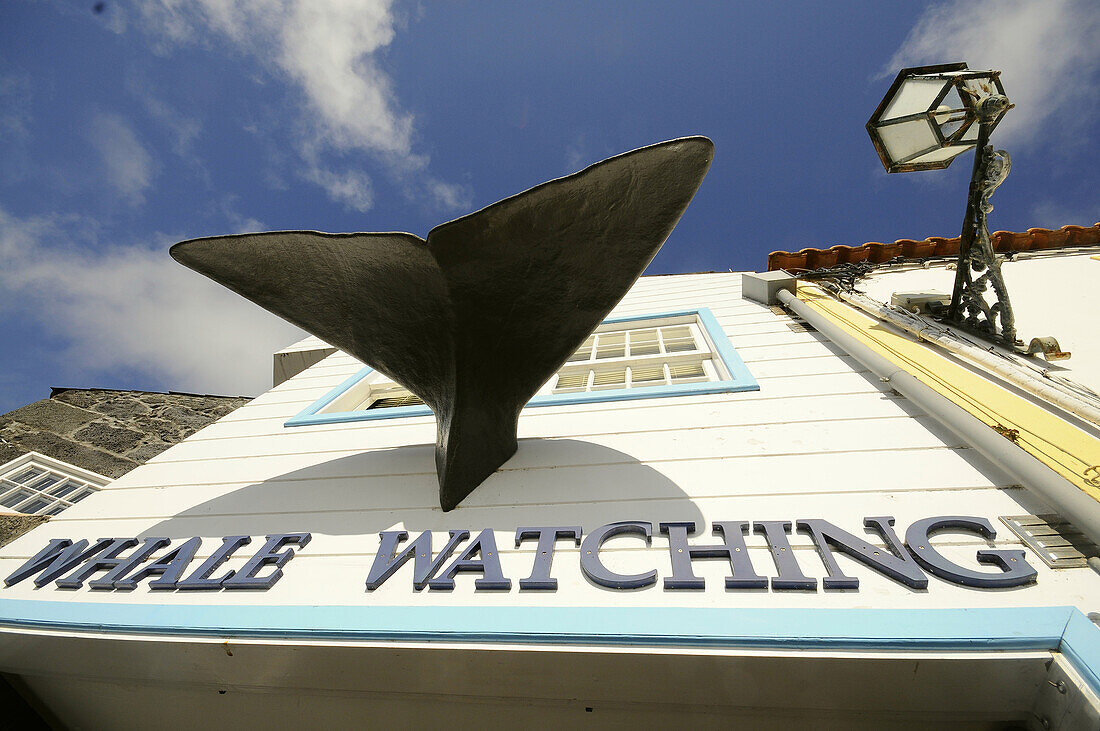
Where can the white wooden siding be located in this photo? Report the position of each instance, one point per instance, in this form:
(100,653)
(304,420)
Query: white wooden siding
(820,439)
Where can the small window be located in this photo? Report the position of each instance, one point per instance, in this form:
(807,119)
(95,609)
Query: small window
(35,484)
(672,354)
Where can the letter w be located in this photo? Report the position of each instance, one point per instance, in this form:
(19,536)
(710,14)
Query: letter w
(388,560)
(56,559)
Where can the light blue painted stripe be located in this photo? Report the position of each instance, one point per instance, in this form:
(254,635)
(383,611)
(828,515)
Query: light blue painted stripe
(1055,629)
(630,394)
(1081,645)
(821,629)
(740,380)
(739,372)
(335,393)
(635,318)
(310,417)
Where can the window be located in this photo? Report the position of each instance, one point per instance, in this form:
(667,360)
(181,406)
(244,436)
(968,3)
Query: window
(35,484)
(672,354)
(620,356)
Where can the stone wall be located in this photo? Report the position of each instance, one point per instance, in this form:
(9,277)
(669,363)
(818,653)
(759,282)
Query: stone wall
(109,432)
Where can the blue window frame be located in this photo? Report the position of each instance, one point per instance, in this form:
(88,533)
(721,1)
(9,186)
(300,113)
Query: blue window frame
(725,373)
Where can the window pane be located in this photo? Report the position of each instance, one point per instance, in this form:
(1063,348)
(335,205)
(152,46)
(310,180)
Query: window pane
(28,475)
(584,352)
(572,381)
(609,379)
(678,339)
(33,506)
(644,342)
(647,376)
(47,481)
(611,345)
(55,509)
(687,372)
(64,488)
(14,498)
(389,402)
(676,332)
(77,497)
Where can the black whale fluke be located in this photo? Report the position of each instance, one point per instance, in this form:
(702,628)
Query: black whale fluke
(475,319)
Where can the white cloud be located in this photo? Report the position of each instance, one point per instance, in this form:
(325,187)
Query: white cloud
(238,222)
(1047,50)
(329,49)
(449,196)
(134,308)
(128,167)
(350,187)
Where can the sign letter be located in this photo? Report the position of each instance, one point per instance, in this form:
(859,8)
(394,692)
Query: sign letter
(387,560)
(594,569)
(1015,570)
(894,562)
(742,575)
(488,565)
(201,578)
(544,554)
(790,575)
(58,557)
(246,578)
(169,568)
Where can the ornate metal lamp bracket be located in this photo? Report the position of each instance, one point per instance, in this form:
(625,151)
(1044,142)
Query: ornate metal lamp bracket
(978,272)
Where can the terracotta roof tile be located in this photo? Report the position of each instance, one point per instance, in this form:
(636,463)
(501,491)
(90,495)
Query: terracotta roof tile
(1034,239)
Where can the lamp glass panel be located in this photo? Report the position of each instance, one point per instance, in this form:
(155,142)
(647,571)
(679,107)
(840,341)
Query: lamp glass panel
(914,95)
(907,138)
(941,155)
(951,113)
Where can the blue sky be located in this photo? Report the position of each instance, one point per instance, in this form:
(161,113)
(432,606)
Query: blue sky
(125,130)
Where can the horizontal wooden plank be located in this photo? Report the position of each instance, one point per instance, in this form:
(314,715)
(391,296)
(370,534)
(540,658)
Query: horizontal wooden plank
(244,420)
(349,484)
(355,531)
(840,434)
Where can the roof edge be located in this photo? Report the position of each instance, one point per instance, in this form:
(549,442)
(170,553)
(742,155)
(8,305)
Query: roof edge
(57,390)
(1034,239)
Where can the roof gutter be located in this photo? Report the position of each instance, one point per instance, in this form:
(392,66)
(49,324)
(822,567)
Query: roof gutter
(1075,505)
(1046,389)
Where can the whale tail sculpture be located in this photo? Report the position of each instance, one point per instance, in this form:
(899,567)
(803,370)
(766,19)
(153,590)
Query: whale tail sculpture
(477,317)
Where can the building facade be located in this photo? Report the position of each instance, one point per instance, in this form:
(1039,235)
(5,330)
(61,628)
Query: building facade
(716,513)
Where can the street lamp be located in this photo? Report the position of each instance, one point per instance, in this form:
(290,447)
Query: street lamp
(930,116)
